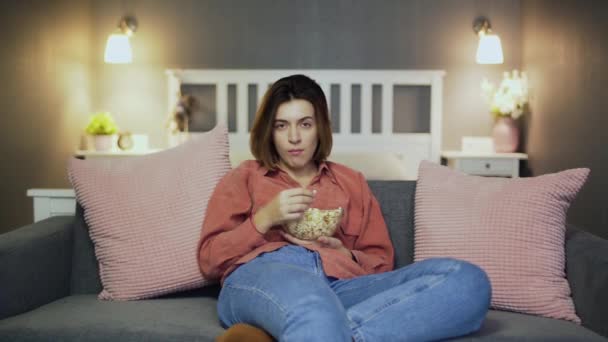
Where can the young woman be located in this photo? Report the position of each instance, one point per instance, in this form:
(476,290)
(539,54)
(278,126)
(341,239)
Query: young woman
(338,288)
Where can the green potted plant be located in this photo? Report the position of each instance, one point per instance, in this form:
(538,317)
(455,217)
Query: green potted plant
(103,128)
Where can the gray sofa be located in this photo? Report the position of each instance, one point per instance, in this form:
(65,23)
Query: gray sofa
(49,283)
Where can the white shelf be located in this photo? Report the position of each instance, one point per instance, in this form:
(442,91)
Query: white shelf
(484,163)
(461,154)
(114,153)
(52,202)
(50,193)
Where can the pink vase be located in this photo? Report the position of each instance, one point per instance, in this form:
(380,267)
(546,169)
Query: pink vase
(505,135)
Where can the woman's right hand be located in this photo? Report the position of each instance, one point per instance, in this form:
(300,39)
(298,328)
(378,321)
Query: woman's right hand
(288,205)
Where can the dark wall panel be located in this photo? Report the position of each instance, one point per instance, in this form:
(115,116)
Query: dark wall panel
(45,98)
(566,55)
(54,76)
(316,34)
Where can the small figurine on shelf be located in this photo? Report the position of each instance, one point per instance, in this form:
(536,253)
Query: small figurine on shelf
(125,141)
(179,120)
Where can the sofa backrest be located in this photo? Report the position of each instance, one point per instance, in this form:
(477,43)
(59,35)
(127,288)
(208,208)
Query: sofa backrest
(396,200)
(85,269)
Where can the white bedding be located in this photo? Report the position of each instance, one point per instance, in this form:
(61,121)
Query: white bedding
(374,166)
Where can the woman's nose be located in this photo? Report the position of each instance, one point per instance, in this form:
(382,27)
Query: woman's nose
(294,135)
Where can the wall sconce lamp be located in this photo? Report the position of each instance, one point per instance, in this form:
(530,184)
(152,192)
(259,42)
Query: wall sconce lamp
(118,46)
(489,50)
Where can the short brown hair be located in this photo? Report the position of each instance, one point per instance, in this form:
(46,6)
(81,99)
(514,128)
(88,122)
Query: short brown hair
(286,89)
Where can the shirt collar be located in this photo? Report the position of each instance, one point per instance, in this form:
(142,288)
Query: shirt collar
(263,170)
(323,168)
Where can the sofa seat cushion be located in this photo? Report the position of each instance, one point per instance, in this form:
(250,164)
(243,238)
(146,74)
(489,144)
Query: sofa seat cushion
(86,318)
(510,326)
(193,317)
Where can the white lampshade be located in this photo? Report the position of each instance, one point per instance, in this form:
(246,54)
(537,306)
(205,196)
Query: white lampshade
(489,50)
(118,49)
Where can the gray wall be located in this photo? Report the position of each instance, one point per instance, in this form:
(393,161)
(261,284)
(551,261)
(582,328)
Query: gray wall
(54,64)
(322,34)
(565,52)
(46,80)
(53,71)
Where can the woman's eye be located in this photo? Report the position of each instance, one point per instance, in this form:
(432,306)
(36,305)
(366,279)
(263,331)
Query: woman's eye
(279,126)
(307,124)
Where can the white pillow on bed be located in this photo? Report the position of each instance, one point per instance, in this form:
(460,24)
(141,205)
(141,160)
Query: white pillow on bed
(237,157)
(374,166)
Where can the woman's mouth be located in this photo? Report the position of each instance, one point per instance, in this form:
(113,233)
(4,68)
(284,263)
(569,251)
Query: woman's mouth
(295,152)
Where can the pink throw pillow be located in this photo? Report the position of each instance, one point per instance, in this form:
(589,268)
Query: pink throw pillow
(512,228)
(145,214)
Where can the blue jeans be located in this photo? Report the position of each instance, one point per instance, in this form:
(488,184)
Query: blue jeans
(286,293)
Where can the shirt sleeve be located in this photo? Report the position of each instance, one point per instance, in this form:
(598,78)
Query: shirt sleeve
(228,231)
(373,249)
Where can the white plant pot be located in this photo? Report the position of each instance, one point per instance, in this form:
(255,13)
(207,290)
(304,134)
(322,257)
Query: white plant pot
(103,142)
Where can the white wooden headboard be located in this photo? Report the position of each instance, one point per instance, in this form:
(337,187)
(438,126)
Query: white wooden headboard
(408,148)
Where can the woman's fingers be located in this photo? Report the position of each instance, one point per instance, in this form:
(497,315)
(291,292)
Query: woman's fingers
(299,192)
(292,216)
(295,240)
(300,199)
(324,241)
(297,208)
(329,242)
(293,202)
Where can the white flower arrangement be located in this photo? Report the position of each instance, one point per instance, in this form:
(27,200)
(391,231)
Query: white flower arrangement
(510,97)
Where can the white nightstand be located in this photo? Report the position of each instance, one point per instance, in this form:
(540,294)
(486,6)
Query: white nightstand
(59,202)
(52,202)
(86,154)
(484,164)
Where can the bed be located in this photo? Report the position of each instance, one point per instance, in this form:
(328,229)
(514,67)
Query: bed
(384,121)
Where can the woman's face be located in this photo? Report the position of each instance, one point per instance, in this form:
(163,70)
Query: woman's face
(295,134)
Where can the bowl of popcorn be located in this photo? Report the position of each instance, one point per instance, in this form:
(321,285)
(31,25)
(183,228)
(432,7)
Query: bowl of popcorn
(315,223)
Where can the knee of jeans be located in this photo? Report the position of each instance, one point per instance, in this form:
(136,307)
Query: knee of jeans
(316,324)
(475,283)
(323,311)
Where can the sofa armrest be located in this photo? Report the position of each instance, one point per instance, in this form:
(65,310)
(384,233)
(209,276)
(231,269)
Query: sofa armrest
(35,265)
(587,273)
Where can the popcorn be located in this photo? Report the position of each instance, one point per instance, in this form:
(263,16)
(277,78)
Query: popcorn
(315,223)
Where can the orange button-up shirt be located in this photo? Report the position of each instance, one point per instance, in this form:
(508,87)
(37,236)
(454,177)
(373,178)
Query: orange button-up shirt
(229,237)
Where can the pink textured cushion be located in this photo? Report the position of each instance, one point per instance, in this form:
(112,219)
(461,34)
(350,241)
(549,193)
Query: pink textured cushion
(512,228)
(145,214)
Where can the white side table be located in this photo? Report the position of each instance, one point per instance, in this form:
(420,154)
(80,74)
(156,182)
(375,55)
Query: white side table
(58,202)
(86,154)
(52,202)
(485,164)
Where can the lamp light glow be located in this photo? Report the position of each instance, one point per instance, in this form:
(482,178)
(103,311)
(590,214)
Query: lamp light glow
(118,49)
(489,50)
